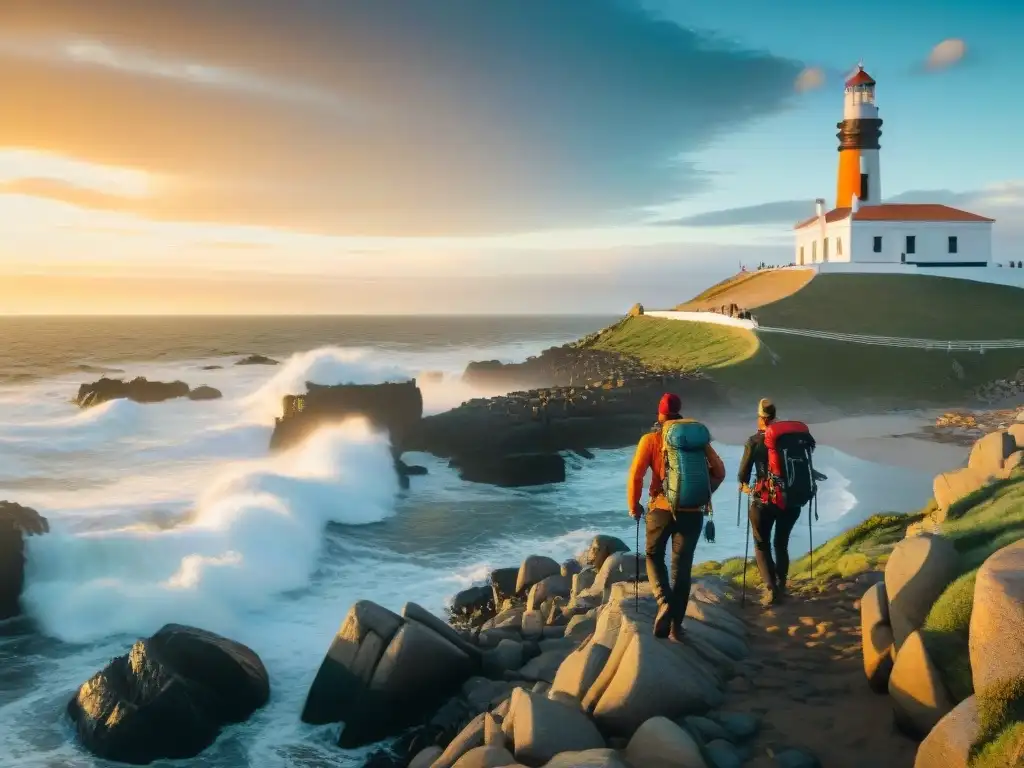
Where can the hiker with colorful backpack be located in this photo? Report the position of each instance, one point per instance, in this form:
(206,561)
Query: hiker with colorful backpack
(780,454)
(685,472)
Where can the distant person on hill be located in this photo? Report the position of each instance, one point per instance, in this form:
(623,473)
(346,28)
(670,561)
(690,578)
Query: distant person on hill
(779,452)
(685,471)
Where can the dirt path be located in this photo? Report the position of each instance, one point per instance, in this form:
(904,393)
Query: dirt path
(805,679)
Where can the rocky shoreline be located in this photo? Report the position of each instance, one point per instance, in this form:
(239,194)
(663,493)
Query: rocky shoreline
(515,439)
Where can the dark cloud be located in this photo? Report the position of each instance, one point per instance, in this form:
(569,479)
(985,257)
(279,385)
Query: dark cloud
(449,116)
(791,211)
(748,215)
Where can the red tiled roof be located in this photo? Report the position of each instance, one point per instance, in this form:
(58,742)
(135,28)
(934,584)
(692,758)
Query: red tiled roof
(915,212)
(900,212)
(836,214)
(860,77)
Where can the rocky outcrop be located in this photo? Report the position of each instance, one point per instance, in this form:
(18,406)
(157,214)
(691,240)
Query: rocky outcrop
(605,413)
(876,637)
(139,390)
(919,697)
(997,619)
(948,744)
(168,697)
(514,470)
(636,310)
(918,571)
(384,671)
(16,523)
(204,393)
(396,408)
(994,456)
(257,360)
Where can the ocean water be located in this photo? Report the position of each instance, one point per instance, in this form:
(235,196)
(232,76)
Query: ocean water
(175,512)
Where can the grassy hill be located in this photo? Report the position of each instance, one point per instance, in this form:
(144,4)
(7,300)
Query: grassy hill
(833,372)
(750,289)
(916,306)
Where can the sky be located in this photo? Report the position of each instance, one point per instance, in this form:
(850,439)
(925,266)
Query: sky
(457,156)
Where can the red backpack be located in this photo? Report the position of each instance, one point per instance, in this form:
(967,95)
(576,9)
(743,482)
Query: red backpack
(791,478)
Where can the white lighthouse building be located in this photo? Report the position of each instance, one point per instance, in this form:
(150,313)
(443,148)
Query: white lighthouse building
(862,229)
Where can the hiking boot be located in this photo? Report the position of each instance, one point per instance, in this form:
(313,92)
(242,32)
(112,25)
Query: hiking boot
(663,621)
(768,596)
(781,595)
(677,634)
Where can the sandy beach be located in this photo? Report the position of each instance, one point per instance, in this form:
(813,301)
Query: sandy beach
(896,439)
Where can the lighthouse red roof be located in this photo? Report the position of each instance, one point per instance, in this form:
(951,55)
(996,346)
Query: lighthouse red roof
(909,212)
(860,77)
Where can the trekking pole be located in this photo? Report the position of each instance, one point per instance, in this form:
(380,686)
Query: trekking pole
(636,571)
(810,532)
(746,551)
(739,504)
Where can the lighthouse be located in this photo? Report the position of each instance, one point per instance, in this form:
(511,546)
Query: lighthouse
(859,180)
(864,234)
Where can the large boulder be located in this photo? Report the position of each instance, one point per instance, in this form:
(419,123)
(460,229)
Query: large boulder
(989,453)
(503,584)
(997,619)
(383,672)
(541,728)
(474,605)
(600,548)
(948,744)
(588,758)
(660,743)
(395,407)
(619,566)
(139,389)
(534,570)
(168,697)
(876,637)
(257,360)
(551,587)
(16,523)
(513,470)
(918,571)
(919,697)
(204,392)
(950,487)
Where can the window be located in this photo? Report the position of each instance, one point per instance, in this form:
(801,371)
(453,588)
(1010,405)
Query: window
(877,247)
(839,246)
(864,190)
(952,244)
(911,244)
(824,249)
(814,251)
(801,254)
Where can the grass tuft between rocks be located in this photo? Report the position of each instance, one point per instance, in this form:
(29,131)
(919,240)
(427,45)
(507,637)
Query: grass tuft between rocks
(946,631)
(1000,740)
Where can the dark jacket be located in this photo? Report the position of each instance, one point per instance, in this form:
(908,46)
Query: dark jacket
(755,458)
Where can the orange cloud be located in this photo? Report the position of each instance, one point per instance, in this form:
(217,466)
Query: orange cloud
(946,54)
(810,79)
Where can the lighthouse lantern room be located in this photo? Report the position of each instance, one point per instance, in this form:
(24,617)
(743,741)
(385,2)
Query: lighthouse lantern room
(863,229)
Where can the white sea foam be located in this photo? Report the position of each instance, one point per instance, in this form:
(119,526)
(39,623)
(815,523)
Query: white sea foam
(256,533)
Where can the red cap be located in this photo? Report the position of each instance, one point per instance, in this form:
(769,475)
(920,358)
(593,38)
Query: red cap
(669,405)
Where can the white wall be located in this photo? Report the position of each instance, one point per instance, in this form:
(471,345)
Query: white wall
(974,241)
(995,275)
(704,317)
(810,239)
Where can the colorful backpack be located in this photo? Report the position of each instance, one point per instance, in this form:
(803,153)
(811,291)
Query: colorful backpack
(791,481)
(687,483)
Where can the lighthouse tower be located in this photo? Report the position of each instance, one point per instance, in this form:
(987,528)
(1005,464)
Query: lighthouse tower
(859,181)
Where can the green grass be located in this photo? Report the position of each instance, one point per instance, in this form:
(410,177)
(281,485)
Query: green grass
(844,373)
(677,346)
(1000,741)
(863,548)
(918,306)
(996,521)
(946,632)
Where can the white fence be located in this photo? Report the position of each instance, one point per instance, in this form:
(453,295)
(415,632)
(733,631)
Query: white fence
(972,345)
(948,345)
(704,317)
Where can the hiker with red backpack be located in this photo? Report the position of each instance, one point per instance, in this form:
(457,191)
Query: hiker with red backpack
(780,453)
(685,472)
